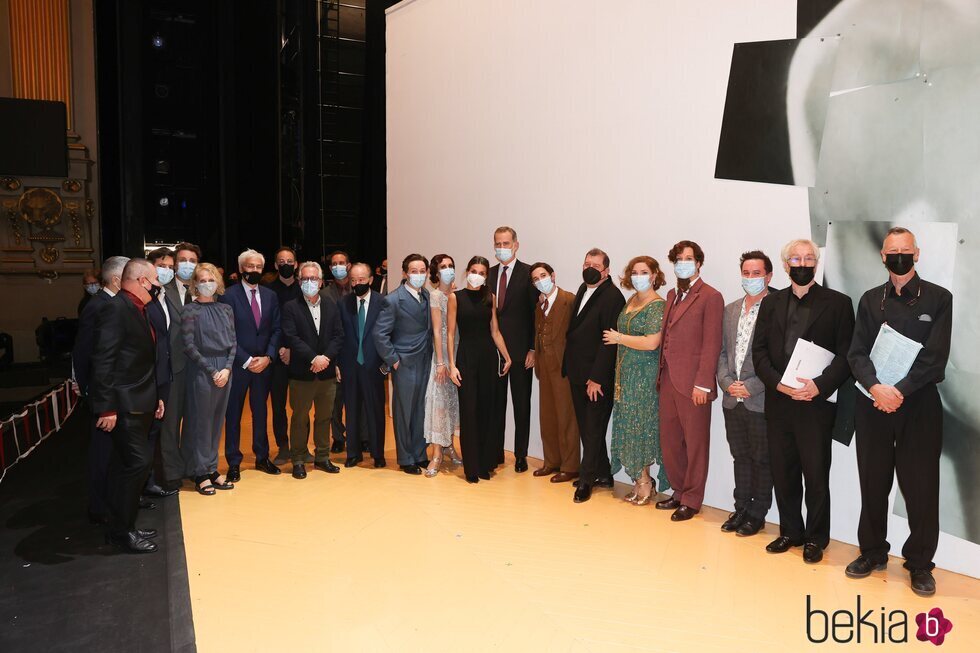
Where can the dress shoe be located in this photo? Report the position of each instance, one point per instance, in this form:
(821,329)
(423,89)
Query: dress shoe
(862,567)
(265,466)
(147,505)
(734,520)
(750,526)
(299,470)
(146,533)
(923,583)
(337,446)
(380,462)
(782,544)
(327,466)
(544,471)
(668,504)
(411,469)
(97,519)
(158,492)
(563,477)
(353,462)
(812,553)
(604,481)
(234,474)
(131,542)
(520,465)
(683,514)
(175,484)
(582,493)
(485,476)
(472,479)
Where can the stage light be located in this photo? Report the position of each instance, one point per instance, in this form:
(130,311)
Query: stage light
(158,42)
(164,201)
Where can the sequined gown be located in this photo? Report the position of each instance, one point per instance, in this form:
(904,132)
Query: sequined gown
(441,398)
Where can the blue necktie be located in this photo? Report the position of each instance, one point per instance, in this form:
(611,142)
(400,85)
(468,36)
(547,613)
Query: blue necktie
(360,333)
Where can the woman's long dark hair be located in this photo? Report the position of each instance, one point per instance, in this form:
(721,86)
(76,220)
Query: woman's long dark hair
(485,295)
(434,267)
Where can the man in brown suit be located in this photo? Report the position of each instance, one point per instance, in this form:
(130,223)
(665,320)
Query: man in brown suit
(688,357)
(559,430)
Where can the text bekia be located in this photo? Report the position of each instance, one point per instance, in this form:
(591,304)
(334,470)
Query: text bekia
(876,626)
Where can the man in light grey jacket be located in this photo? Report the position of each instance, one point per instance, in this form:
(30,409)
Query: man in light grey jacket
(743,400)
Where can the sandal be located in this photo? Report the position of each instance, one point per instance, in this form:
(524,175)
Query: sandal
(222,485)
(206,490)
(643,500)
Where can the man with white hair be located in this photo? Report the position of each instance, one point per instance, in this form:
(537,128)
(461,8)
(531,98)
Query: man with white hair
(257,331)
(800,420)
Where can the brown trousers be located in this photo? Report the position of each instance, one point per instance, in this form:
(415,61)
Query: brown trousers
(559,429)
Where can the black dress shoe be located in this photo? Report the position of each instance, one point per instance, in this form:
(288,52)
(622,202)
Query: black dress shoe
(472,479)
(411,469)
(862,567)
(604,481)
(299,470)
(380,462)
(782,544)
(234,474)
(582,493)
(131,542)
(146,533)
(147,505)
(97,519)
(735,520)
(520,465)
(668,504)
(683,514)
(327,466)
(158,492)
(353,462)
(266,466)
(923,583)
(485,476)
(337,446)
(812,553)
(750,526)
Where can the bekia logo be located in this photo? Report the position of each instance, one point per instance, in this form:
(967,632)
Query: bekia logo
(874,625)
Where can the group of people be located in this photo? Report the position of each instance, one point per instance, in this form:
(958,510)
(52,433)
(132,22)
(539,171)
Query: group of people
(166,352)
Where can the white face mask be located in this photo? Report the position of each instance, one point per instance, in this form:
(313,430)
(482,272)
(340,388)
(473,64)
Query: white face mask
(207,288)
(476,280)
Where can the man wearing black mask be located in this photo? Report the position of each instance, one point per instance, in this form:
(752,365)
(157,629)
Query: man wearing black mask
(590,367)
(286,289)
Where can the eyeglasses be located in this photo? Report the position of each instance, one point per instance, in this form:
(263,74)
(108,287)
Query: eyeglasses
(309,278)
(808,260)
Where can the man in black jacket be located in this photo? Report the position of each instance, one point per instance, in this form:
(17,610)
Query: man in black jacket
(313,332)
(590,367)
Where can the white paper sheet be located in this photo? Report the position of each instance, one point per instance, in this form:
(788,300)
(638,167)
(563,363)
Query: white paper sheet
(893,355)
(807,362)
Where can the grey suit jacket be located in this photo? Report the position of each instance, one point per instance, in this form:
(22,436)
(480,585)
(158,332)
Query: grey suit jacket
(727,374)
(178,359)
(403,331)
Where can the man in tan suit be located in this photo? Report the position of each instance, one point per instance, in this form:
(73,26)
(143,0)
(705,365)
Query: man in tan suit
(559,430)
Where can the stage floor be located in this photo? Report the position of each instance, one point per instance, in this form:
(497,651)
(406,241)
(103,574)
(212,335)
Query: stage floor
(377,560)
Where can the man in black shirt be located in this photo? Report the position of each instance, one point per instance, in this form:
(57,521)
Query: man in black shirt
(900,429)
(286,289)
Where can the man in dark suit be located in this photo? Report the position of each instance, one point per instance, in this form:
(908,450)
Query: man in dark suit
(800,420)
(590,367)
(517,298)
(257,330)
(312,330)
(380,283)
(158,312)
(125,397)
(690,345)
(100,446)
(359,363)
(287,289)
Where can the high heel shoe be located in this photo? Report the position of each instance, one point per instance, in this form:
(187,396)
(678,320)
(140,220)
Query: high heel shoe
(453,456)
(631,497)
(642,501)
(433,468)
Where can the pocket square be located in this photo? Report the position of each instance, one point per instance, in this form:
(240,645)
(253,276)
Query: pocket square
(925,318)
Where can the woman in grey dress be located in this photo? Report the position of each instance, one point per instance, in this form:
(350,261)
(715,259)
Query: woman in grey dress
(441,400)
(208,329)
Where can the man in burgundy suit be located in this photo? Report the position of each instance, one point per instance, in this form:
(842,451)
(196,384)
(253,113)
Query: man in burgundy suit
(688,356)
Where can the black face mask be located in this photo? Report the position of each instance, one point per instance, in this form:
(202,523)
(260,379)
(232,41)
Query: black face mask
(361,289)
(591,276)
(154,292)
(287,271)
(899,264)
(252,278)
(802,275)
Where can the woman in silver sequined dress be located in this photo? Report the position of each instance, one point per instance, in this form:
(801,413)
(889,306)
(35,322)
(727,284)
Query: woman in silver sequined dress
(441,400)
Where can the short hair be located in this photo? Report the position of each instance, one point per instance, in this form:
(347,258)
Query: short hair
(541,264)
(337,252)
(655,272)
(434,266)
(159,253)
(595,251)
(113,267)
(207,267)
(756,255)
(190,247)
(364,265)
(411,258)
(788,247)
(247,254)
(898,231)
(136,268)
(679,248)
(92,272)
(310,264)
(500,230)
(284,248)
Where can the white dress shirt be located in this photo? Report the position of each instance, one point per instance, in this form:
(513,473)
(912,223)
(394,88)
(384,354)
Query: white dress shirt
(367,304)
(587,296)
(415,293)
(162,298)
(314,307)
(551,301)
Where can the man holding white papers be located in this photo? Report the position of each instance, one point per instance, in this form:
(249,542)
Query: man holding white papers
(799,421)
(900,428)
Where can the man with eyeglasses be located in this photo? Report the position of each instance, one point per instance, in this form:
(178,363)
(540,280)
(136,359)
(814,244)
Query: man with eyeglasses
(800,421)
(900,429)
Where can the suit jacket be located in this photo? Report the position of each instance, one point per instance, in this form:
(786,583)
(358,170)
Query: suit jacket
(551,332)
(254,341)
(830,325)
(81,353)
(178,360)
(586,357)
(403,330)
(305,344)
(334,292)
(516,317)
(123,361)
(154,312)
(727,373)
(347,358)
(691,339)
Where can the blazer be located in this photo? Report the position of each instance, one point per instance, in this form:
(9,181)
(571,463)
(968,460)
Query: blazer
(81,352)
(300,335)
(516,317)
(254,341)
(691,340)
(551,332)
(830,325)
(727,373)
(154,312)
(178,360)
(123,361)
(586,357)
(347,358)
(403,330)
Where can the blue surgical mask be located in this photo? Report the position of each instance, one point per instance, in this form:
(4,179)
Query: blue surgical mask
(207,288)
(310,287)
(448,275)
(753,285)
(339,271)
(185,270)
(92,288)
(504,254)
(165,275)
(641,282)
(416,280)
(684,269)
(545,286)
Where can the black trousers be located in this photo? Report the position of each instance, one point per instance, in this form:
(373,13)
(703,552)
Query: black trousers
(593,420)
(746,431)
(799,435)
(128,468)
(278,391)
(520,393)
(908,443)
(337,428)
(477,427)
(99,455)
(364,403)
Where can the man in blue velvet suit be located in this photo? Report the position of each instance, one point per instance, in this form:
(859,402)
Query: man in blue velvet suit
(359,362)
(403,336)
(257,330)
